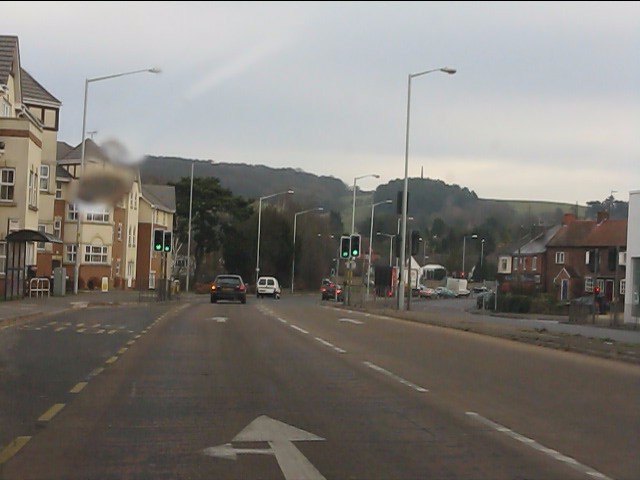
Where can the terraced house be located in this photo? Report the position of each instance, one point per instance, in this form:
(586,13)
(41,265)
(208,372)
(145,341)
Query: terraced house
(70,213)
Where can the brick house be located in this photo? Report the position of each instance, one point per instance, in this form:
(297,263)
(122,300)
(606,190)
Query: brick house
(585,254)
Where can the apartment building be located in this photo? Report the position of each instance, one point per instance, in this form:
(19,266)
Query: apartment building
(85,200)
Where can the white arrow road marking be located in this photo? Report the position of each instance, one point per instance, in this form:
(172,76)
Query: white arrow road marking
(220,319)
(350,320)
(280,436)
(227,451)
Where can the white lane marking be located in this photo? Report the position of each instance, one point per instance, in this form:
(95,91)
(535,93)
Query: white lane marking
(351,320)
(541,448)
(395,377)
(280,437)
(220,319)
(330,345)
(301,330)
(282,320)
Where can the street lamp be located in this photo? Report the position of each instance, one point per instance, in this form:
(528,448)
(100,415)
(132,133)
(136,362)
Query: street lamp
(390,237)
(373,207)
(353,208)
(189,233)
(84,135)
(295,220)
(464,246)
(405,193)
(287,192)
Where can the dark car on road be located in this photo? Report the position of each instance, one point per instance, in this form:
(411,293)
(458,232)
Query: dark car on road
(228,287)
(331,290)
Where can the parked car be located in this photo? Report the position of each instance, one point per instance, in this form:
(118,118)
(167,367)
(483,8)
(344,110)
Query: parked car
(331,290)
(586,302)
(228,287)
(426,292)
(444,292)
(268,287)
(463,292)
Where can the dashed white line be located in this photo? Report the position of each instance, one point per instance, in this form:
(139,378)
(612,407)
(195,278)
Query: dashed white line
(330,345)
(541,448)
(395,377)
(301,330)
(282,320)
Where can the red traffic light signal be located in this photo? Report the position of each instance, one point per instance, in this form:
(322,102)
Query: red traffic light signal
(596,290)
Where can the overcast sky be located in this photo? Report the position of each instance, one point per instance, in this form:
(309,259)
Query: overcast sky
(545,104)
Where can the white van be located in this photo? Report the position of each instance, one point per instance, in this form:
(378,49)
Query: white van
(268,286)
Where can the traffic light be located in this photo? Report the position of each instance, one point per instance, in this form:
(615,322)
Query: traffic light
(355,245)
(167,241)
(158,240)
(415,242)
(345,246)
(596,291)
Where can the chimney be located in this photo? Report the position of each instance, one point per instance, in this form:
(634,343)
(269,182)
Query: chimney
(602,216)
(568,218)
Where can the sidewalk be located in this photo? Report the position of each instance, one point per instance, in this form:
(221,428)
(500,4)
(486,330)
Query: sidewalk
(14,310)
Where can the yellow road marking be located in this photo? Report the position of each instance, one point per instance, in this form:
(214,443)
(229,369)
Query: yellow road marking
(112,359)
(78,388)
(80,330)
(122,350)
(131,342)
(13,448)
(52,412)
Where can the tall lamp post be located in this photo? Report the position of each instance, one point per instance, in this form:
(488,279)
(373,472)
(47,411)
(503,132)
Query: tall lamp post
(189,233)
(390,237)
(373,207)
(464,248)
(405,193)
(353,208)
(287,192)
(295,220)
(84,136)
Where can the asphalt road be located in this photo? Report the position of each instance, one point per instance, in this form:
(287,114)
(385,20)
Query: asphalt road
(298,389)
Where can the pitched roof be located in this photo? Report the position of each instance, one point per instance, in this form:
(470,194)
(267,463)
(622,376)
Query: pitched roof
(62,150)
(92,151)
(34,92)
(538,244)
(589,233)
(608,233)
(8,53)
(162,196)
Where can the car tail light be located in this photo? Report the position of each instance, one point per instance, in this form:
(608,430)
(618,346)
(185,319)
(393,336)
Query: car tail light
(324,289)
(213,287)
(241,288)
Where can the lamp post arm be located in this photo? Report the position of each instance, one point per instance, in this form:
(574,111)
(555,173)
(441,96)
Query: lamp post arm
(116,75)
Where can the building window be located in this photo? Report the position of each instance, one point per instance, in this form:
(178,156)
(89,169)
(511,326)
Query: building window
(3,257)
(135,235)
(117,268)
(6,110)
(72,211)
(514,262)
(57,228)
(503,265)
(130,236)
(70,253)
(560,258)
(588,284)
(152,280)
(44,178)
(130,267)
(58,190)
(33,189)
(43,229)
(96,254)
(98,214)
(7,183)
(534,263)
(623,286)
(119,231)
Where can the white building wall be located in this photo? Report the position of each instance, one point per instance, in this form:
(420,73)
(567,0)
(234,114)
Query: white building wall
(632,276)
